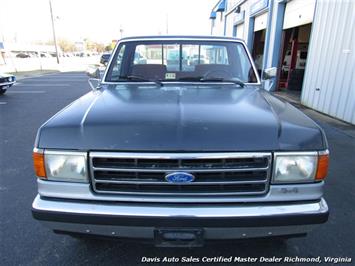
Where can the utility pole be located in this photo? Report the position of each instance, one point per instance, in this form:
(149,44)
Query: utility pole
(121,31)
(53,29)
(167,23)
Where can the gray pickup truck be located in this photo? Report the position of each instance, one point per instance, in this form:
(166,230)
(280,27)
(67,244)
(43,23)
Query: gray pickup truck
(180,152)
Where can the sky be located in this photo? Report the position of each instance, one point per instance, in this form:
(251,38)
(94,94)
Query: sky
(102,20)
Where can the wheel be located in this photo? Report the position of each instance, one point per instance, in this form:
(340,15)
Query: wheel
(2,91)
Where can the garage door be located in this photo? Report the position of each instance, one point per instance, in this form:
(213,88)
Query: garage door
(298,12)
(260,22)
(240,31)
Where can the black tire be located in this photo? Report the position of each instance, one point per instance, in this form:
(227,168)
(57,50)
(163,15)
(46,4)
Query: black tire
(2,91)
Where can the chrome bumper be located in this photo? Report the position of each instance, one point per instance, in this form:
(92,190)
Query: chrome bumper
(230,221)
(8,83)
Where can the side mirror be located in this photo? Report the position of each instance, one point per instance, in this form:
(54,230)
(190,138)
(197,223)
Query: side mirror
(269,73)
(94,80)
(93,72)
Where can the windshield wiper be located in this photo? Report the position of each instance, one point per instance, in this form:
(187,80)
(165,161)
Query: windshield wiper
(235,81)
(202,79)
(190,79)
(139,78)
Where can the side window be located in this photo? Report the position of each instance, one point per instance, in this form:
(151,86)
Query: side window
(244,63)
(245,70)
(116,70)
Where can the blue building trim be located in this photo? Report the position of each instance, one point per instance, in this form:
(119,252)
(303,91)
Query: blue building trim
(250,33)
(278,34)
(225,25)
(279,12)
(235,30)
(239,18)
(221,6)
(259,7)
(268,35)
(213,15)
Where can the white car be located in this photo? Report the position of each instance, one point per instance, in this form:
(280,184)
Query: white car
(6,81)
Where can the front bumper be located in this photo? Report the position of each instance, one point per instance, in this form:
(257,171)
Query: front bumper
(228,221)
(7,84)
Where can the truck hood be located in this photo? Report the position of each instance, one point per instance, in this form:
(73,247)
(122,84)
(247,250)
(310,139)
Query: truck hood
(141,117)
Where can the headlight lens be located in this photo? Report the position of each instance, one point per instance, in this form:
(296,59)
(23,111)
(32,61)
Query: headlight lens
(66,166)
(295,168)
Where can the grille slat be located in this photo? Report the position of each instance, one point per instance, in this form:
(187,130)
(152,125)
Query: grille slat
(200,176)
(244,189)
(178,169)
(130,163)
(105,181)
(216,174)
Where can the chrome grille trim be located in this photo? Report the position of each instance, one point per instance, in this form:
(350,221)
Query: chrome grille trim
(190,184)
(137,185)
(188,155)
(192,170)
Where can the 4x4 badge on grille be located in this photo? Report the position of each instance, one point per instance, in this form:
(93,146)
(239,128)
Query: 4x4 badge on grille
(179,177)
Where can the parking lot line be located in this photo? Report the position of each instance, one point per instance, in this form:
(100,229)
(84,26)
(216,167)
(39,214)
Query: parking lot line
(26,92)
(43,85)
(57,80)
(3,103)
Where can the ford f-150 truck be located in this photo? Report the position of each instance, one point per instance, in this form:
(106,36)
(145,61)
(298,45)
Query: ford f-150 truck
(180,153)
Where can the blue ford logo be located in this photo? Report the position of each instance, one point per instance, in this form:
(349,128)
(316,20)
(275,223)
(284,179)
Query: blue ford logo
(179,177)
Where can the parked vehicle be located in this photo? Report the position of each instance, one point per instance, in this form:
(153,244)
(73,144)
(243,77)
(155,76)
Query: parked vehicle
(6,81)
(181,156)
(105,57)
(23,55)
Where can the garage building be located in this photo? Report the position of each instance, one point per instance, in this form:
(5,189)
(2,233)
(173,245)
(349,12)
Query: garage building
(311,42)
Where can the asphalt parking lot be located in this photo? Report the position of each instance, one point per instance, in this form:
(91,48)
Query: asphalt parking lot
(23,241)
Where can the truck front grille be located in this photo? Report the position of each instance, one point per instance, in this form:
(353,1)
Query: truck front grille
(216,174)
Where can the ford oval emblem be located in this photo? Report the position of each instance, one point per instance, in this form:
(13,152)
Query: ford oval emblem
(179,177)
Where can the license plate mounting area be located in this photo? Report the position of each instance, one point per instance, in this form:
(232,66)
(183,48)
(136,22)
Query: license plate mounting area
(179,237)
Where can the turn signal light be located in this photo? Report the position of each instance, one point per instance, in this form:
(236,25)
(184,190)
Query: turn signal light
(38,164)
(323,163)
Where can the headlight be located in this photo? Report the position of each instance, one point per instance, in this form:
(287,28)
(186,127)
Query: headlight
(66,166)
(295,168)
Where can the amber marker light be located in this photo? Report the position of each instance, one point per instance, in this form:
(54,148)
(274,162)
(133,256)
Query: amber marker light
(322,167)
(38,163)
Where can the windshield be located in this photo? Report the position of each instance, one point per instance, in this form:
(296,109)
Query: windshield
(181,61)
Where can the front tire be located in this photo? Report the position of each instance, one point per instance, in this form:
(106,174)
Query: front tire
(2,91)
